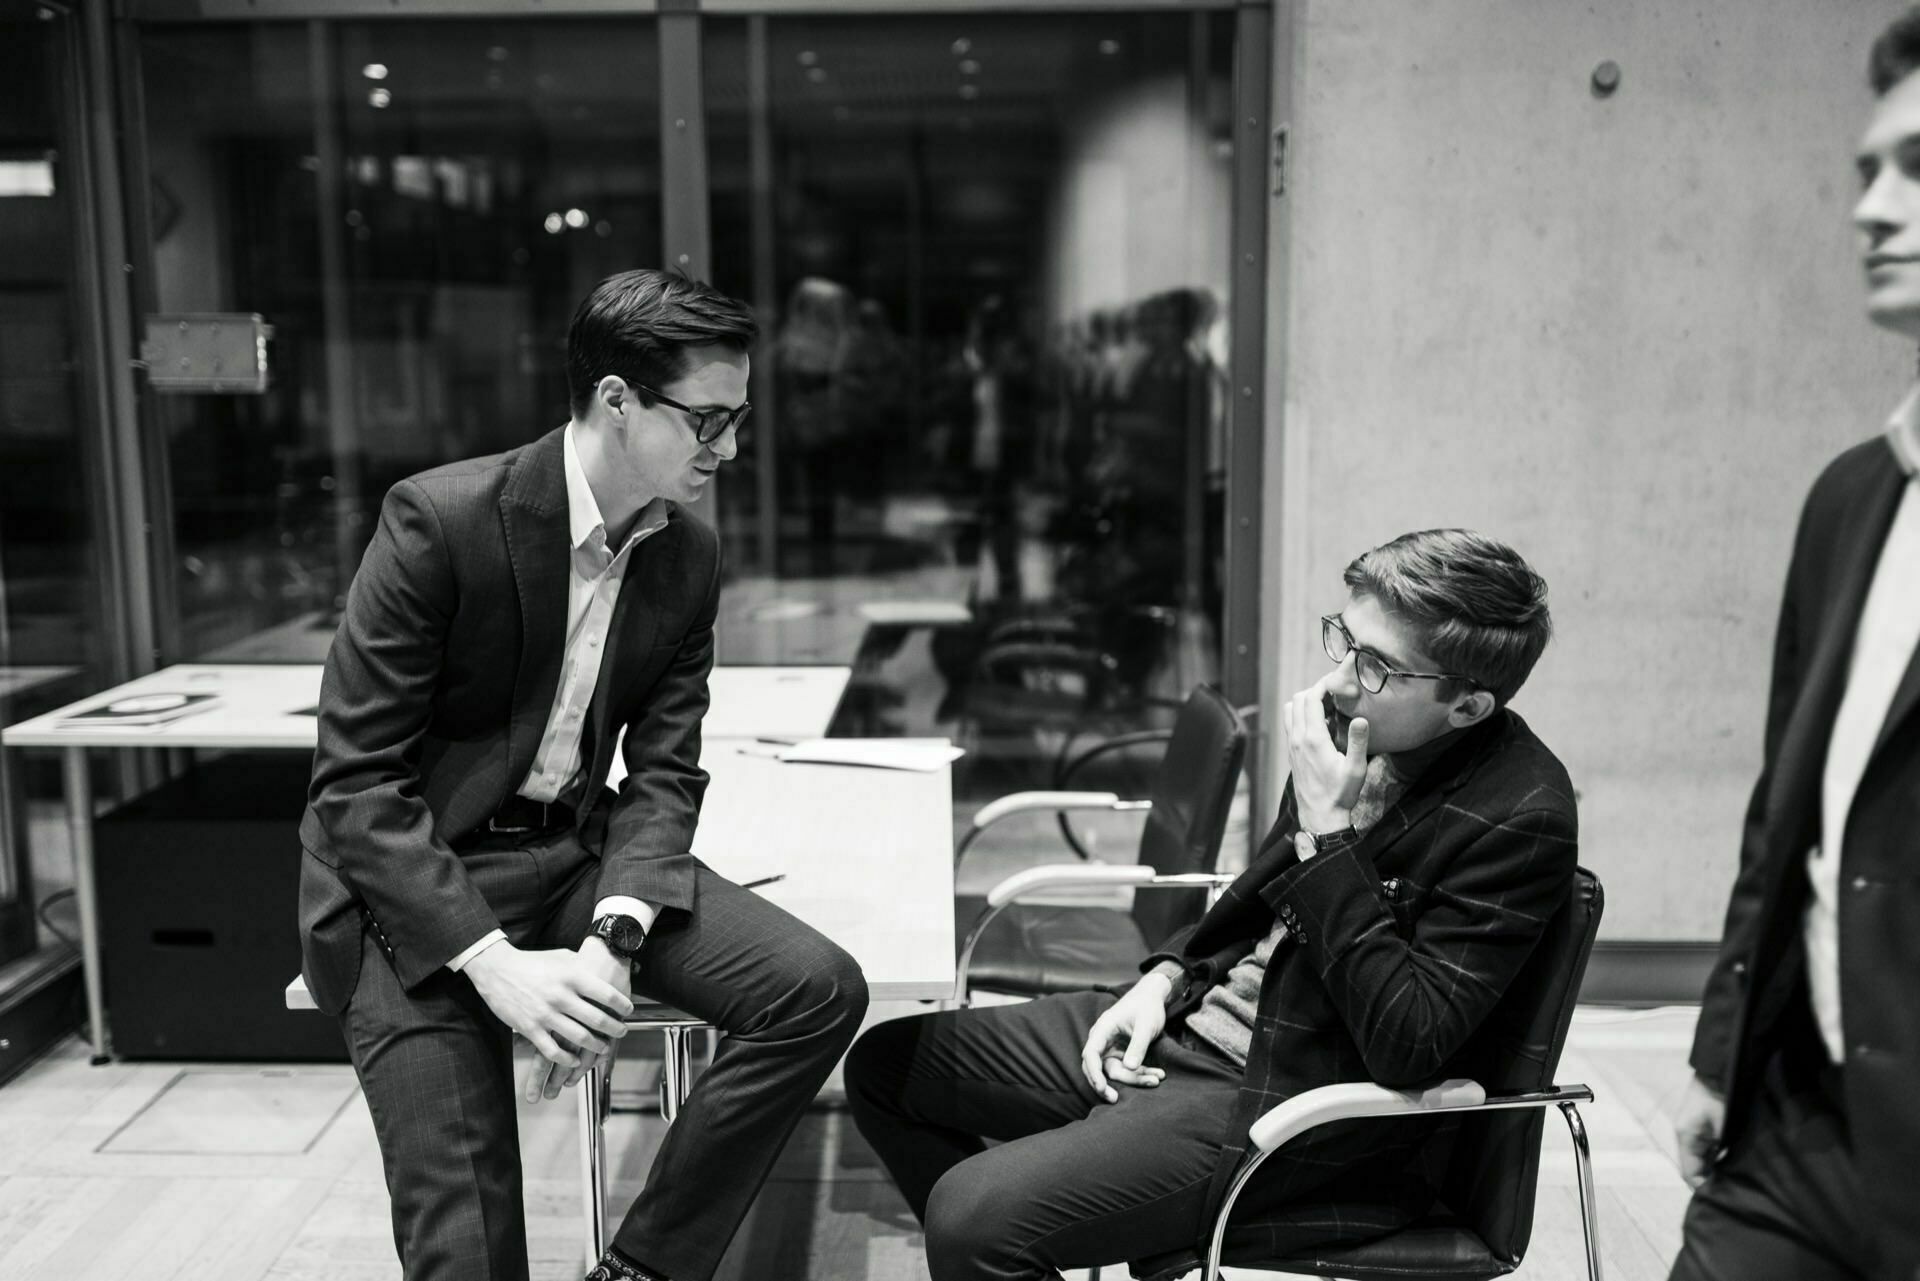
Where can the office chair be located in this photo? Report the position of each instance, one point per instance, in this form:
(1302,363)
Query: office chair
(1035,949)
(1483,1229)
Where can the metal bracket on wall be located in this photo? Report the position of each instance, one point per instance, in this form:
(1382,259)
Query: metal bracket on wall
(1280,161)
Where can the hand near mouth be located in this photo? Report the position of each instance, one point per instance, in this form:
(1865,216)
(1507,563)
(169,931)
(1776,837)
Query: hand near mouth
(1326,781)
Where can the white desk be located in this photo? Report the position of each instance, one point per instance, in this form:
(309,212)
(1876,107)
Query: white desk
(265,708)
(867,855)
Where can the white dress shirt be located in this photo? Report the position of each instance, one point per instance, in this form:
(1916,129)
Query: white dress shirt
(594,576)
(1883,647)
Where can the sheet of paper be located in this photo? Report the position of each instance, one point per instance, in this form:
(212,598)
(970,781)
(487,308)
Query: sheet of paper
(923,755)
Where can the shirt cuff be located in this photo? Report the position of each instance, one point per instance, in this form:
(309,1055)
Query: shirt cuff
(623,905)
(487,940)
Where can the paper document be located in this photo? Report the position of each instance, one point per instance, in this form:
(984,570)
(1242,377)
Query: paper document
(140,710)
(915,611)
(922,755)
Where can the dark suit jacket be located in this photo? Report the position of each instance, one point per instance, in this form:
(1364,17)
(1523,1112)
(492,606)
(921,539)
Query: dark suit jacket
(1399,948)
(1756,994)
(438,688)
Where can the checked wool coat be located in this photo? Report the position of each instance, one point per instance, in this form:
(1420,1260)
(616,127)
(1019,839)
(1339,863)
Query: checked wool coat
(1399,947)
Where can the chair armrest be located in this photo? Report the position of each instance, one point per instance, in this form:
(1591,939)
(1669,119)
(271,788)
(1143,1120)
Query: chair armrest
(1025,802)
(1350,1099)
(1083,875)
(297,996)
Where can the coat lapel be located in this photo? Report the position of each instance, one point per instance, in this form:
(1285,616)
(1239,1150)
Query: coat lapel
(648,592)
(533,511)
(1803,747)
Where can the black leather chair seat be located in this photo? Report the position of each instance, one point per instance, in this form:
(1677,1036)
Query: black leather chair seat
(1439,1247)
(1032,949)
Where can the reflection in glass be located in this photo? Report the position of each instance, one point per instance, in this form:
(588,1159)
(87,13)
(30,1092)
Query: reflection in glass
(993,253)
(418,238)
(52,644)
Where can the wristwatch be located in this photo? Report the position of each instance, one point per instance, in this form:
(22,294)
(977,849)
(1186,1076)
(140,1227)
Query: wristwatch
(623,935)
(1306,844)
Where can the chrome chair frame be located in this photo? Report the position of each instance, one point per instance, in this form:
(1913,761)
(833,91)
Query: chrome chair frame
(596,1101)
(1317,1107)
(1077,876)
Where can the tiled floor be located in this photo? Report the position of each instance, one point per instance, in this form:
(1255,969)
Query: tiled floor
(234,1173)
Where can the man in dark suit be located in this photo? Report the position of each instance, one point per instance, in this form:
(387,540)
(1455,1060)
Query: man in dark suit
(1800,1128)
(467,874)
(1425,840)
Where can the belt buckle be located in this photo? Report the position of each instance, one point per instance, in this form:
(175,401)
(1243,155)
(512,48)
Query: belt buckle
(497,828)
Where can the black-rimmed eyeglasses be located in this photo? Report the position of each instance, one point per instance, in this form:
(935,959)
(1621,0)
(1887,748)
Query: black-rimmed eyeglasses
(708,424)
(1371,670)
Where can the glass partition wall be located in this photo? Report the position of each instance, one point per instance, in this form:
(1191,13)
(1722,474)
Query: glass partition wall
(993,258)
(415,208)
(993,255)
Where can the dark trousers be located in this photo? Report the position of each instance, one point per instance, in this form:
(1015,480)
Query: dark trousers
(1786,1204)
(437,1069)
(1075,1182)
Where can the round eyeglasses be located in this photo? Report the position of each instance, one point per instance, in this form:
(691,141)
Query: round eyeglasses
(1371,670)
(708,424)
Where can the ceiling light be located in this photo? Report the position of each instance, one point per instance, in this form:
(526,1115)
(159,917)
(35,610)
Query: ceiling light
(969,92)
(962,47)
(374,71)
(377,98)
(1109,47)
(555,224)
(969,68)
(576,218)
(808,57)
(818,75)
(498,53)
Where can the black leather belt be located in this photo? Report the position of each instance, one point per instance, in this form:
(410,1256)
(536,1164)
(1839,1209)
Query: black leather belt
(518,815)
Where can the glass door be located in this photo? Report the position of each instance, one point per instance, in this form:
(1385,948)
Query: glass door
(992,255)
(415,207)
(52,639)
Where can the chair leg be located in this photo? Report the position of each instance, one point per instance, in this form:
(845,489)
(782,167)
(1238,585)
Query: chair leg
(1583,1165)
(676,1077)
(593,1163)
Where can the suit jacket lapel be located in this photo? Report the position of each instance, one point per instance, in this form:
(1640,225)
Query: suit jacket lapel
(1803,748)
(533,511)
(647,592)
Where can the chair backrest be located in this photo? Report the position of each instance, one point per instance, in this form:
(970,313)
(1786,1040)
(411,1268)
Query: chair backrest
(1191,795)
(1495,1163)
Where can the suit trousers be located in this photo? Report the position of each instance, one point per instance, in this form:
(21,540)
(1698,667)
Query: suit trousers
(437,1068)
(1786,1203)
(1075,1181)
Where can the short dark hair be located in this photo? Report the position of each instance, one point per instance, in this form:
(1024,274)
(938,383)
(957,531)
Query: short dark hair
(1896,54)
(1479,609)
(638,325)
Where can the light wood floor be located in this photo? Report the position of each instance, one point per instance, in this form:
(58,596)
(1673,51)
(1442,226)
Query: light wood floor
(222,1172)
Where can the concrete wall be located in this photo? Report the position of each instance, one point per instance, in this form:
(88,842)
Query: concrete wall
(1622,334)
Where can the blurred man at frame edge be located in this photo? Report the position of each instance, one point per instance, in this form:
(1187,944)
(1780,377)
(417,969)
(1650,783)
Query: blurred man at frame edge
(1425,840)
(467,874)
(1802,1124)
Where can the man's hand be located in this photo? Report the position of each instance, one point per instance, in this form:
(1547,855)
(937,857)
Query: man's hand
(1326,782)
(546,1078)
(1139,1017)
(1697,1123)
(557,1000)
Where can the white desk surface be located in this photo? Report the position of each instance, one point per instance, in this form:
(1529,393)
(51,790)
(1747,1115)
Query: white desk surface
(261,706)
(867,856)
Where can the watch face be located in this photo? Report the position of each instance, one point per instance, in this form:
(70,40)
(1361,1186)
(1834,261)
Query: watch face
(622,933)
